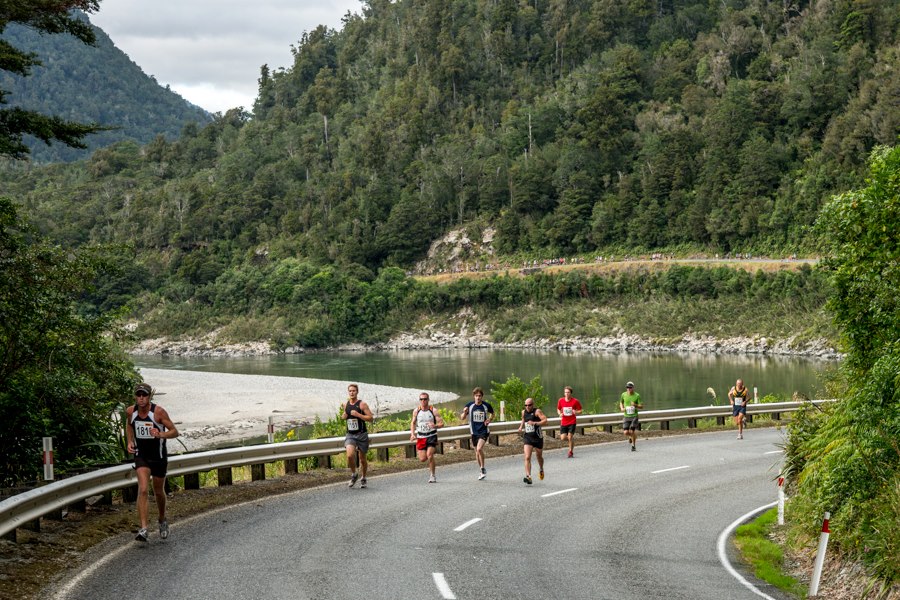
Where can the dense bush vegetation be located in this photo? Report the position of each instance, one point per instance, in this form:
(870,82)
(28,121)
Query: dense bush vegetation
(298,304)
(846,460)
(569,127)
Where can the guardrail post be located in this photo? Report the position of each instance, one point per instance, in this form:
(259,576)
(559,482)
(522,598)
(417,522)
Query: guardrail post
(224,476)
(258,472)
(383,454)
(192,481)
(748,418)
(664,425)
(410,450)
(79,506)
(55,515)
(692,423)
(494,440)
(551,432)
(105,499)
(608,428)
(580,430)
(129,494)
(776,416)
(290,466)
(464,444)
(720,421)
(440,448)
(323,462)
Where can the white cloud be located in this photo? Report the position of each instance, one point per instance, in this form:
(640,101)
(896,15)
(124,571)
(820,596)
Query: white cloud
(210,51)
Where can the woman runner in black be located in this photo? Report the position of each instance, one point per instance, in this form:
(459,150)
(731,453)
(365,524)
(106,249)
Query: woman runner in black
(532,421)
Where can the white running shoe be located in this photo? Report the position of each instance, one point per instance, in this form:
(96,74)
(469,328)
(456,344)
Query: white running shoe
(163,529)
(353,479)
(432,479)
(142,535)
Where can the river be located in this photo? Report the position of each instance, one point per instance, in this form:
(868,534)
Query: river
(664,380)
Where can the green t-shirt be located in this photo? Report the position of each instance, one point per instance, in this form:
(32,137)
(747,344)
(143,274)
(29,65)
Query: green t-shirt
(630,402)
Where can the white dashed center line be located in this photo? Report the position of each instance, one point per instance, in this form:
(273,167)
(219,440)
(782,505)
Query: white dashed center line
(559,492)
(672,469)
(467,523)
(775,452)
(442,586)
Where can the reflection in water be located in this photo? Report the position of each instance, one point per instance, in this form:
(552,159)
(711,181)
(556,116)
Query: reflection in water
(664,380)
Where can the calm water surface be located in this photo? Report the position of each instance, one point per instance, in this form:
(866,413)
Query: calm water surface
(664,380)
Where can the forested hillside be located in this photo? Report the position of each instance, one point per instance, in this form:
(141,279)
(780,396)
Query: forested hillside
(570,127)
(93,84)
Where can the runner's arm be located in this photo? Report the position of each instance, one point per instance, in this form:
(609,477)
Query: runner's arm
(171,431)
(366,412)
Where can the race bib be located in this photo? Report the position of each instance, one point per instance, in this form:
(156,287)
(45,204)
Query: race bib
(529,427)
(352,424)
(629,410)
(568,411)
(478,417)
(142,430)
(426,427)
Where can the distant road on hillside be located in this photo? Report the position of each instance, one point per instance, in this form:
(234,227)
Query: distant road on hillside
(626,264)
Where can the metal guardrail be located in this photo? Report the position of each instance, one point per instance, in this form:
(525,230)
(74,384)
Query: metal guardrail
(28,506)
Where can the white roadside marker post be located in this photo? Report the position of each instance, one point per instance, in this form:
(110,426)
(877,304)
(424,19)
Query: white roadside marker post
(820,557)
(502,410)
(47,457)
(271,430)
(781,500)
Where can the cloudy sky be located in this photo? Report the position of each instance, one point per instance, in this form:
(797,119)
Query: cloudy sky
(210,51)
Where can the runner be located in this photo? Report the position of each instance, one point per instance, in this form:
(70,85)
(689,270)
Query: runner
(480,415)
(148,426)
(356,413)
(423,430)
(629,404)
(738,397)
(568,408)
(532,421)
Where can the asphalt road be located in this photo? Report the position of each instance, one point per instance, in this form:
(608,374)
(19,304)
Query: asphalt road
(607,524)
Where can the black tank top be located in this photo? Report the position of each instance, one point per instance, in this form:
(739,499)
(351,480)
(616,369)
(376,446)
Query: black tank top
(145,446)
(530,418)
(354,424)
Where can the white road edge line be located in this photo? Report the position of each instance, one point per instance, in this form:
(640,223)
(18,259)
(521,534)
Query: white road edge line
(467,523)
(559,492)
(723,555)
(775,452)
(672,469)
(442,586)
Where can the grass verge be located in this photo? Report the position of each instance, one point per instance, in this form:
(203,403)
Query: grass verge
(764,555)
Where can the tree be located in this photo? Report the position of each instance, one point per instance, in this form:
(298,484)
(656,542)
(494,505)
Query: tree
(61,373)
(45,16)
(846,459)
(862,228)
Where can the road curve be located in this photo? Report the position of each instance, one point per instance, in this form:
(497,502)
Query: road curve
(608,523)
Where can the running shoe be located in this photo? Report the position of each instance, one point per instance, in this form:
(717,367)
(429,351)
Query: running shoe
(432,479)
(633,449)
(571,455)
(740,436)
(163,530)
(541,475)
(353,479)
(527,479)
(363,483)
(483,474)
(142,535)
